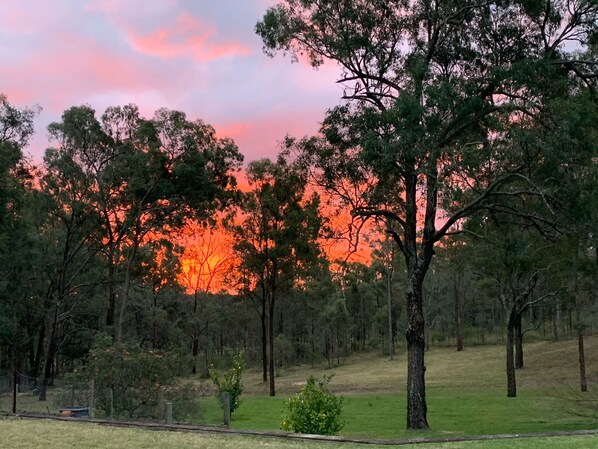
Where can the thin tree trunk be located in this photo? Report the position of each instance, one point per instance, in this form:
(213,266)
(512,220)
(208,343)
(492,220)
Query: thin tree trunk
(111,310)
(264,340)
(389,303)
(511,380)
(125,296)
(458,311)
(581,352)
(49,359)
(556,320)
(194,353)
(518,335)
(416,368)
(271,344)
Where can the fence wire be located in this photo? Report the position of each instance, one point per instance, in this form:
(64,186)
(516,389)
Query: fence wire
(49,396)
(82,400)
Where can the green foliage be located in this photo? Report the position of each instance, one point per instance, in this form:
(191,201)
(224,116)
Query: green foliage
(186,407)
(134,375)
(230,381)
(314,409)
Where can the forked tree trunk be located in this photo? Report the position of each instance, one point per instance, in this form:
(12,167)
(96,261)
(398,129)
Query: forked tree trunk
(416,345)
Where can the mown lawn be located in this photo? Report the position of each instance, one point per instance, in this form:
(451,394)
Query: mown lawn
(36,434)
(452,412)
(466,393)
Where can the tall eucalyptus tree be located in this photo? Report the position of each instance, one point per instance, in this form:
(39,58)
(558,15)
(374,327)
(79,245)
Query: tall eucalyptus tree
(145,176)
(276,240)
(434,90)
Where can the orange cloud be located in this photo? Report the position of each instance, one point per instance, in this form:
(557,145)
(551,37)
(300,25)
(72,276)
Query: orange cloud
(185,36)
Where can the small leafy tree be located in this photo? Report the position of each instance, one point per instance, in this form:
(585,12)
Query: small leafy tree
(314,409)
(230,381)
(134,375)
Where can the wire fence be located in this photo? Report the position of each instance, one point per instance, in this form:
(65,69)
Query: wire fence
(25,394)
(178,405)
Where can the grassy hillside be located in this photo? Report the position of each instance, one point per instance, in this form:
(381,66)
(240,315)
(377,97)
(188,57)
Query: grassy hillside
(466,392)
(547,364)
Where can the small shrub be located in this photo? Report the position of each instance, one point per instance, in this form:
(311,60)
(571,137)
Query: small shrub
(229,381)
(314,409)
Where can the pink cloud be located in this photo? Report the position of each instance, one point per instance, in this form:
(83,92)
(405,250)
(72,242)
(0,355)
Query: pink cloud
(182,37)
(260,137)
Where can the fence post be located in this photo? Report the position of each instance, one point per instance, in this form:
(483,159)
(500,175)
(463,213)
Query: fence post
(14,390)
(91,398)
(168,412)
(226,408)
(110,394)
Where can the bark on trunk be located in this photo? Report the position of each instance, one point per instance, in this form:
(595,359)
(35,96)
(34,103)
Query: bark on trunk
(264,342)
(556,320)
(389,300)
(271,345)
(195,353)
(583,381)
(125,294)
(511,380)
(111,310)
(582,361)
(458,311)
(518,342)
(416,368)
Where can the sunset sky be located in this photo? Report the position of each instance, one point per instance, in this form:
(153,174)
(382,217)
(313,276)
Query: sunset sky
(198,56)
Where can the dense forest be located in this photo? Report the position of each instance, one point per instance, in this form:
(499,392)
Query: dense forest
(451,199)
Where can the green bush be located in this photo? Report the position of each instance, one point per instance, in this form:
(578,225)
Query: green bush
(134,375)
(229,381)
(186,405)
(314,409)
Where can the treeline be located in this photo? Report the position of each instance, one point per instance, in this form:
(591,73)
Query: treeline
(467,138)
(91,249)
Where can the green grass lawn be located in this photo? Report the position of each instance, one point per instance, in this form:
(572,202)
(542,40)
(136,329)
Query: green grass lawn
(466,393)
(452,412)
(34,434)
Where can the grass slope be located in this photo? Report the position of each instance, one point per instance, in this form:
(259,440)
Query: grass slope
(466,392)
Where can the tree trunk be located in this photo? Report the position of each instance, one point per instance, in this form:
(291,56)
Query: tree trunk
(511,380)
(582,361)
(556,320)
(111,310)
(389,300)
(581,352)
(416,368)
(125,296)
(518,335)
(271,344)
(264,340)
(194,353)
(49,360)
(458,311)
